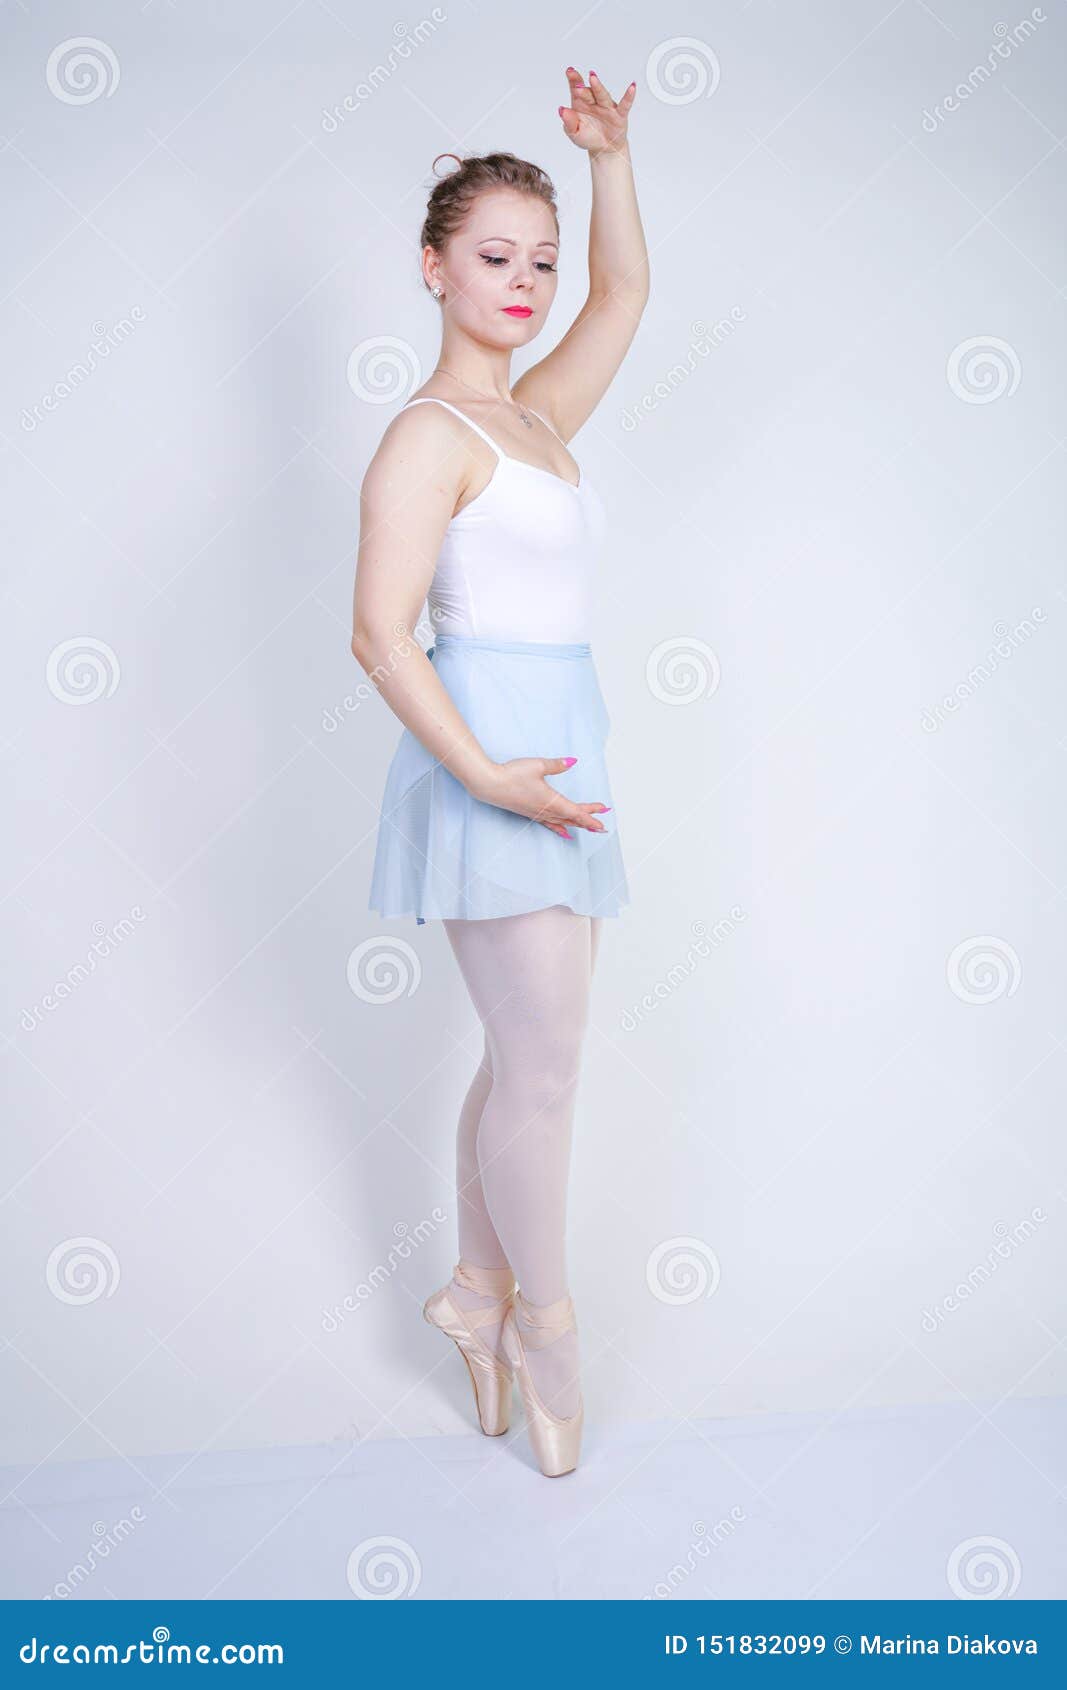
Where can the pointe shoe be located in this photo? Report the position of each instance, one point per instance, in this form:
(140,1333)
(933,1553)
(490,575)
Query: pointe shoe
(556,1441)
(491,1377)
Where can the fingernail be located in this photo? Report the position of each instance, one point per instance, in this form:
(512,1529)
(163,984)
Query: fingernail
(592,73)
(570,761)
(605,807)
(567,835)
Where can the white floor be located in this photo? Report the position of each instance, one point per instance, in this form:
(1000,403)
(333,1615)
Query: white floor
(866,1504)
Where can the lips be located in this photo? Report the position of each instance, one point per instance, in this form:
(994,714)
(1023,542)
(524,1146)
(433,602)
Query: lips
(518,311)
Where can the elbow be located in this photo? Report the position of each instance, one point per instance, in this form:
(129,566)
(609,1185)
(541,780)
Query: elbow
(362,648)
(373,646)
(362,644)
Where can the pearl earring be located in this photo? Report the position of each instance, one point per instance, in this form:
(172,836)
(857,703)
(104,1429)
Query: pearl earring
(436,292)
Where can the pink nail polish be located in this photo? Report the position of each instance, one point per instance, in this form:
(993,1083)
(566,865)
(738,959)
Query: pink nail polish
(570,761)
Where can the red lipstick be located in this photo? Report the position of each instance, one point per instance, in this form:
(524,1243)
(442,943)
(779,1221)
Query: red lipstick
(518,310)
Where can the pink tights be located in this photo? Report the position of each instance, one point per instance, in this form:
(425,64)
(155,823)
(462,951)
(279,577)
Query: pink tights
(529,979)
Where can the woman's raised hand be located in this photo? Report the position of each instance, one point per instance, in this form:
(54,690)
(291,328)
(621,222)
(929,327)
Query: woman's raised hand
(593,120)
(520,785)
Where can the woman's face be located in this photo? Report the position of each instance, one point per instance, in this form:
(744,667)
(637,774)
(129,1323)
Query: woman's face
(499,270)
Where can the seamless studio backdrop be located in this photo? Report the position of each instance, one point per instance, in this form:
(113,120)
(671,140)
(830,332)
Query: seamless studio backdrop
(818,1165)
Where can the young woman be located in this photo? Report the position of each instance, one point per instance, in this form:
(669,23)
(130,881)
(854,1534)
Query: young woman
(473,503)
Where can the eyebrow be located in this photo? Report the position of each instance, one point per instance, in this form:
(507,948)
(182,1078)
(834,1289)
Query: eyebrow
(509,242)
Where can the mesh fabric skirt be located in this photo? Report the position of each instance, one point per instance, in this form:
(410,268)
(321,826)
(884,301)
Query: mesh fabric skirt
(441,853)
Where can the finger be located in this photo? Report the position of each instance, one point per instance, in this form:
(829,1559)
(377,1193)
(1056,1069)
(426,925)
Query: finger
(570,119)
(578,89)
(581,817)
(600,93)
(628,98)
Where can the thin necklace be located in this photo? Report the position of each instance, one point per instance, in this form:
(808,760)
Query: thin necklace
(518,406)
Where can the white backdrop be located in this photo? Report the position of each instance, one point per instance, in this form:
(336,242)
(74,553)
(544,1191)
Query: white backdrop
(819,1148)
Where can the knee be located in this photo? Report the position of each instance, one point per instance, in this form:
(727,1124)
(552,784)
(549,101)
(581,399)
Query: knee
(553,1076)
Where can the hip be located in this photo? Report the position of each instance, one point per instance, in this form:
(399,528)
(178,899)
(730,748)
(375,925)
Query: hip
(514,693)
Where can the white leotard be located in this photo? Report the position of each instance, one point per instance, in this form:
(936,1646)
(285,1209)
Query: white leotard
(519,561)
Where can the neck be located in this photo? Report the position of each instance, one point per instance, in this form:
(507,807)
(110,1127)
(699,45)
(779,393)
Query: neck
(486,370)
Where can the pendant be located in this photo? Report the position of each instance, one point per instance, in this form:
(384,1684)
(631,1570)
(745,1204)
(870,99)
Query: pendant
(524,418)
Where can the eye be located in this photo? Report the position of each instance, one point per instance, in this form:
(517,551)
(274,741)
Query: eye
(497,259)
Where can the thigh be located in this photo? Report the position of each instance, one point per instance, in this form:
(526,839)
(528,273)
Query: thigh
(526,972)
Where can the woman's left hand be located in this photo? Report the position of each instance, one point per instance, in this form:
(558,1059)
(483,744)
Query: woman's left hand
(594,121)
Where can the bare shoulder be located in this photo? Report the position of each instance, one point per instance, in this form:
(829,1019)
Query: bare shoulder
(419,443)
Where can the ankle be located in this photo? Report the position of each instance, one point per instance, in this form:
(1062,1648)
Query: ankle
(487,1284)
(544,1323)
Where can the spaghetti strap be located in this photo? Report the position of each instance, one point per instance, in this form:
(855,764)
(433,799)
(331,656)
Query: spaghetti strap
(548,425)
(431,399)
